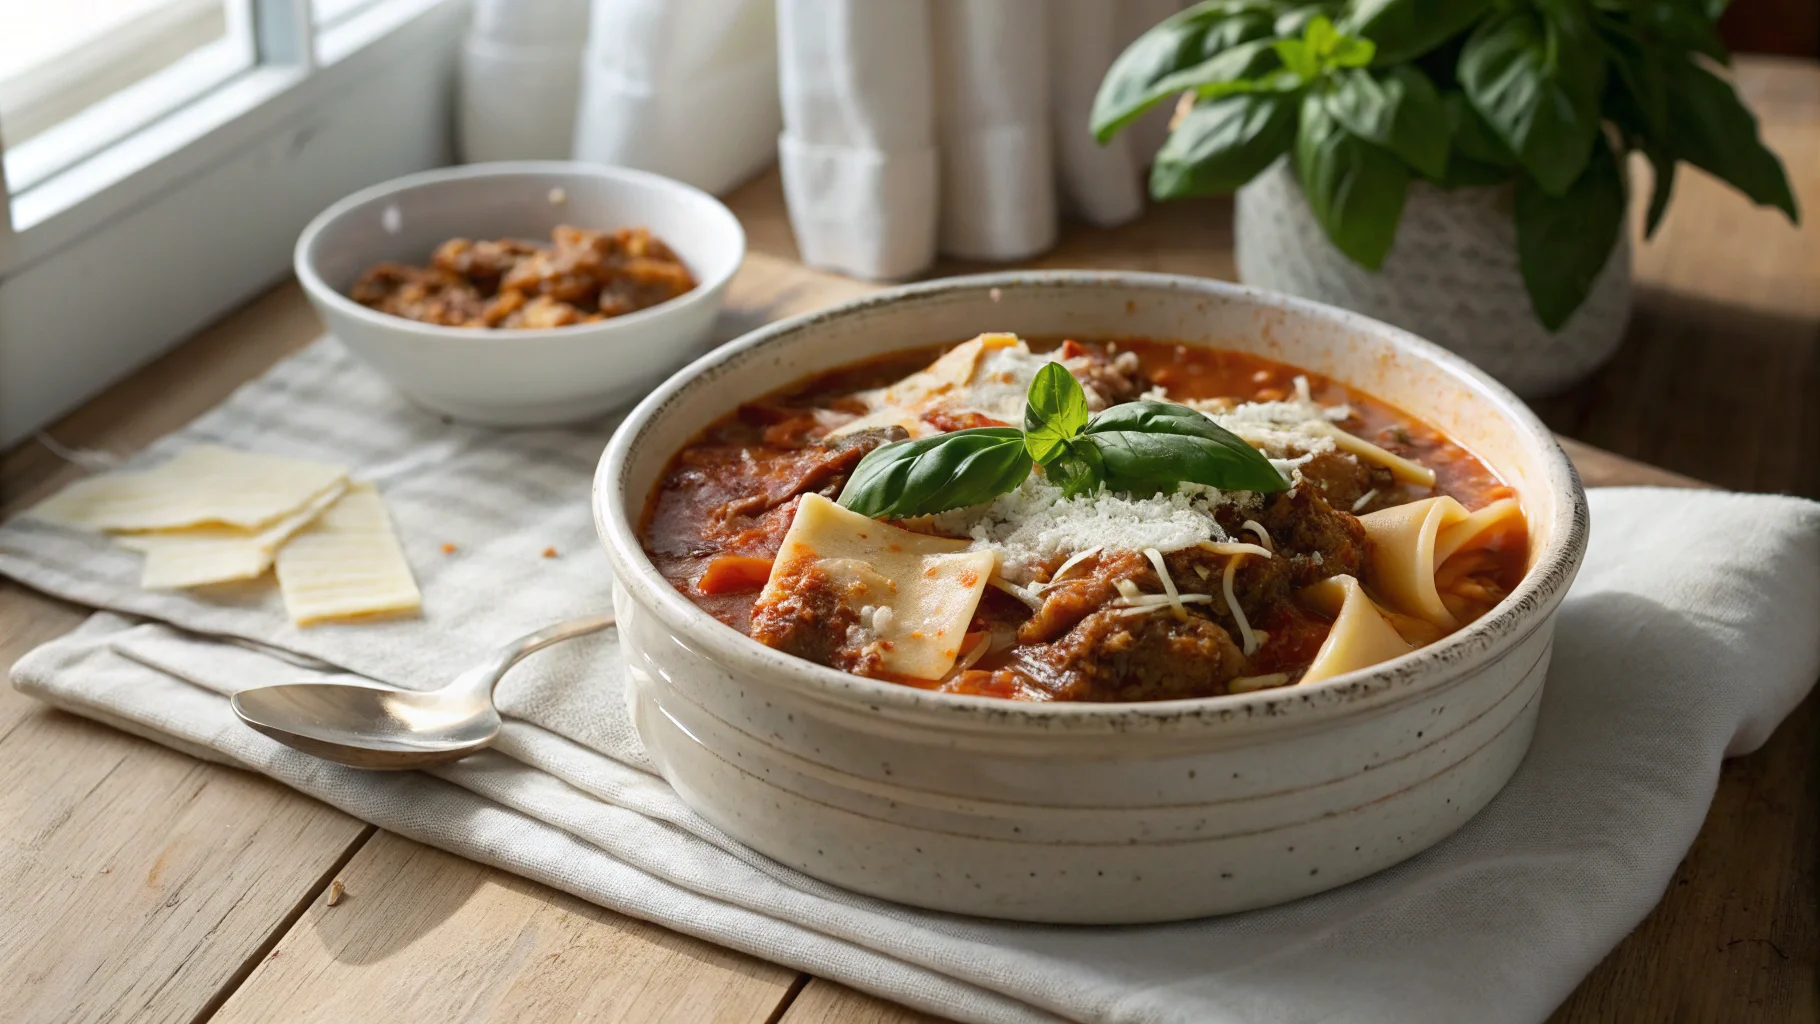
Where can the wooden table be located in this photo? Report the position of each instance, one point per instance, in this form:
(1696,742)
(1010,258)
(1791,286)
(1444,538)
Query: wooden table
(138,884)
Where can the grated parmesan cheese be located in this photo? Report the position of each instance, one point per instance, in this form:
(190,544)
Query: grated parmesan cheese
(1029,526)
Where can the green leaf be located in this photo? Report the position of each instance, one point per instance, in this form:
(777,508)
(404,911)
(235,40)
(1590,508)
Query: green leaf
(934,474)
(1681,24)
(1662,166)
(1055,411)
(1355,189)
(1293,22)
(1405,29)
(1154,446)
(1298,58)
(1078,470)
(1398,109)
(1472,138)
(1714,131)
(1224,143)
(1196,48)
(1537,82)
(1564,241)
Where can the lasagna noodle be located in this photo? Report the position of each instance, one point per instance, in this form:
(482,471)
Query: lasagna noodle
(923,589)
(204,485)
(1410,542)
(952,383)
(202,555)
(1360,637)
(347,564)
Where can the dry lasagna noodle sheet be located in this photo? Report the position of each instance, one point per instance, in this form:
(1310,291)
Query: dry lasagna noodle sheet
(206,485)
(347,564)
(202,555)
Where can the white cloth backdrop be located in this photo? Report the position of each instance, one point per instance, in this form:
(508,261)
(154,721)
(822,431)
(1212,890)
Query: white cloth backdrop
(904,128)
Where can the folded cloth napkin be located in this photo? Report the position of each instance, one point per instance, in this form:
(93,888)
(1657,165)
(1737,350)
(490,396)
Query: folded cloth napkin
(1688,637)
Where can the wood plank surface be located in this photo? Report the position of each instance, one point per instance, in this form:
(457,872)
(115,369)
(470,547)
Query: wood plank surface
(137,883)
(140,884)
(430,936)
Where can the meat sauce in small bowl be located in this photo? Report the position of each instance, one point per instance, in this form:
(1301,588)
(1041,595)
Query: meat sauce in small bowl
(1088,598)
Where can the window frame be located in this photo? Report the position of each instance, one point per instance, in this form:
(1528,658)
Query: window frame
(318,115)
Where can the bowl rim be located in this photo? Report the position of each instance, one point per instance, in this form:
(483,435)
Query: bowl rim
(303,262)
(1526,609)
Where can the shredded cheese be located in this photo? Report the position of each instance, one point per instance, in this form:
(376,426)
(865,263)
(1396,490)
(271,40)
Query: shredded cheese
(1263,535)
(1024,594)
(1364,499)
(1250,684)
(1162,571)
(1236,549)
(1249,639)
(1073,560)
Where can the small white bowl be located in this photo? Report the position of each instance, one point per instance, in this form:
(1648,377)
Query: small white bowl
(519,378)
(1079,812)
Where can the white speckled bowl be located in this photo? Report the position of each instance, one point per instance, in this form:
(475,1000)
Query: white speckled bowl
(1089,813)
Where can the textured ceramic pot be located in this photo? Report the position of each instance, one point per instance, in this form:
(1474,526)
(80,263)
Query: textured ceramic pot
(1090,813)
(1451,277)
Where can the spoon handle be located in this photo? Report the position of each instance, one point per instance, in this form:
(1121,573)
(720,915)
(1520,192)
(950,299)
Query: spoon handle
(480,680)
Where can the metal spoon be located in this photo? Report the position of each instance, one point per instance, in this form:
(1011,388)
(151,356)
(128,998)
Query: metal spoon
(376,727)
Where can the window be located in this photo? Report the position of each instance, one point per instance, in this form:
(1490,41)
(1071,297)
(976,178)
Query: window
(159,157)
(73,77)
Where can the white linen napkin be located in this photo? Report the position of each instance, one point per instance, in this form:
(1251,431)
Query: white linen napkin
(1688,637)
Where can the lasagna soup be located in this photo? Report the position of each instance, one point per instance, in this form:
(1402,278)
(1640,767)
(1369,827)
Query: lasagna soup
(1117,521)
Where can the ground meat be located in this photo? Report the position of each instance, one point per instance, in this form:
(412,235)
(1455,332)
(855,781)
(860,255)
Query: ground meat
(1343,480)
(1112,656)
(1111,377)
(1313,538)
(1085,589)
(815,620)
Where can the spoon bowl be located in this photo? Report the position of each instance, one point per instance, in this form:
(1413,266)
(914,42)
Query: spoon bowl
(370,726)
(380,727)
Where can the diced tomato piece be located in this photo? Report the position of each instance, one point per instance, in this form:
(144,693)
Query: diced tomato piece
(734,574)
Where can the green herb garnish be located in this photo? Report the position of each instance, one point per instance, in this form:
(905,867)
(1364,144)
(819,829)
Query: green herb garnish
(1137,448)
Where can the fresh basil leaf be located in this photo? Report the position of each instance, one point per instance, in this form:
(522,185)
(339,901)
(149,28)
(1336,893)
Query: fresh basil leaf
(1405,29)
(1396,108)
(1191,49)
(1537,82)
(1154,446)
(1355,189)
(1055,410)
(1079,469)
(1223,143)
(934,474)
(1564,241)
(1715,131)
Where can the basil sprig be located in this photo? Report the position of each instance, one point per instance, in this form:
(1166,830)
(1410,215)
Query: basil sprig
(1366,96)
(1137,448)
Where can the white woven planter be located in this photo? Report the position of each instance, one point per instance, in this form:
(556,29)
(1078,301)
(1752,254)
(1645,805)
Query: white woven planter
(1451,277)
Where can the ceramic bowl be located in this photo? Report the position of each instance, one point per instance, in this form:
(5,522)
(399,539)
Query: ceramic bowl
(1089,813)
(519,377)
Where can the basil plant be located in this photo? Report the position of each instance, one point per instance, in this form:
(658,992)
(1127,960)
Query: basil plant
(1364,95)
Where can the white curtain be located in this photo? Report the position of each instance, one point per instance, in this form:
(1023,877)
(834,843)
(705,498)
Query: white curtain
(904,129)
